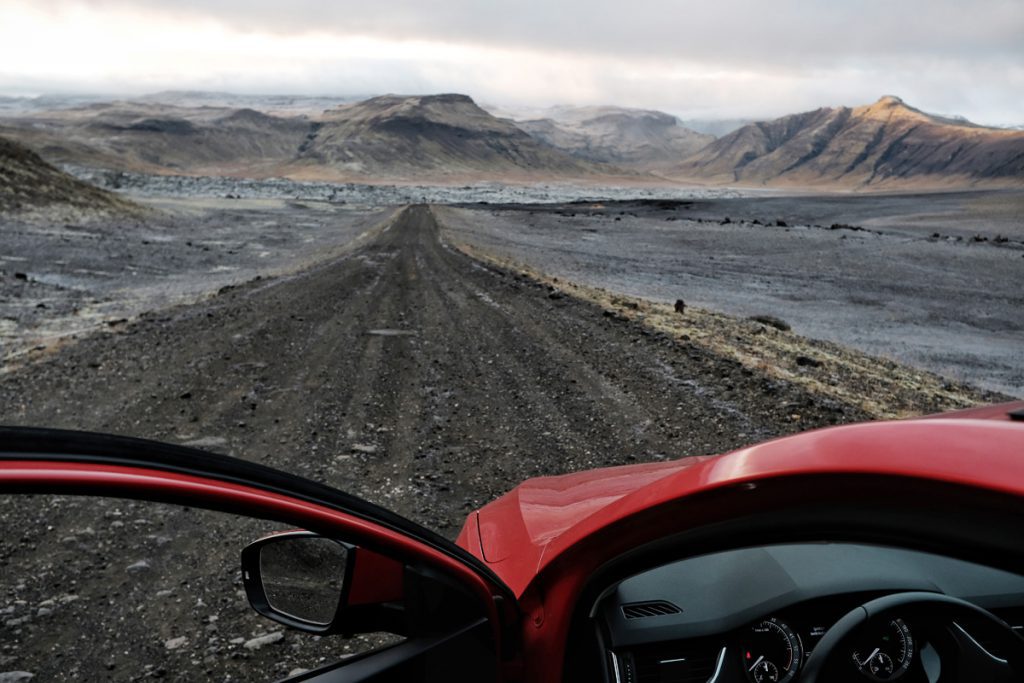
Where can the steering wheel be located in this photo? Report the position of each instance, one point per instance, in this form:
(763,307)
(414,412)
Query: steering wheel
(976,664)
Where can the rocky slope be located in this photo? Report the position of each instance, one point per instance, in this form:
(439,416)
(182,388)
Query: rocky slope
(632,138)
(153,137)
(439,135)
(885,144)
(29,183)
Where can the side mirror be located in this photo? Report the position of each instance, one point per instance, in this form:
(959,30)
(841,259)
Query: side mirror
(323,586)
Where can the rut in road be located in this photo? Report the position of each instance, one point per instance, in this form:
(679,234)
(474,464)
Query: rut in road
(411,375)
(405,373)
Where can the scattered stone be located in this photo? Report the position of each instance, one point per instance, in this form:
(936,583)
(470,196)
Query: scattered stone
(771,321)
(15,676)
(556,295)
(206,442)
(140,566)
(389,332)
(21,276)
(364,448)
(781,223)
(260,641)
(175,643)
(808,362)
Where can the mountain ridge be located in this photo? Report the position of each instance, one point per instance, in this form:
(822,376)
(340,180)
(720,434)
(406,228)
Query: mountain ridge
(884,144)
(391,137)
(638,139)
(448,138)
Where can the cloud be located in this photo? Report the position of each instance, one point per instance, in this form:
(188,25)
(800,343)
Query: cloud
(723,31)
(728,57)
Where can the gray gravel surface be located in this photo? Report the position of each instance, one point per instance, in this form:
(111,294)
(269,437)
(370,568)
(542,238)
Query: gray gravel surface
(403,372)
(894,277)
(59,279)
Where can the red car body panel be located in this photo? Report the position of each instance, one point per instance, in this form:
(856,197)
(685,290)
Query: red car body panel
(547,536)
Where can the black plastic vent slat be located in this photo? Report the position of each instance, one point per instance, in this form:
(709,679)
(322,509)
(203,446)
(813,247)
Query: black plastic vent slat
(655,608)
(1013,616)
(676,664)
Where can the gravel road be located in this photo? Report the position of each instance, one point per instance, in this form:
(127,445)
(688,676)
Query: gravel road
(404,372)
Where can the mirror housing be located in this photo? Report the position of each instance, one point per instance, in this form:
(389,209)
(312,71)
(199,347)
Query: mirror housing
(318,585)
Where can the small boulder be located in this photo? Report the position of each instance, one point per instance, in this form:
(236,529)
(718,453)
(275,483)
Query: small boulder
(15,676)
(260,641)
(140,566)
(175,643)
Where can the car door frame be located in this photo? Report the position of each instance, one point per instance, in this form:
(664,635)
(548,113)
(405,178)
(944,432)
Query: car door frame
(46,461)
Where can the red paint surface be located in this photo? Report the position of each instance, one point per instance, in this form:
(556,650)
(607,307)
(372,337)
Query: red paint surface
(548,536)
(376,579)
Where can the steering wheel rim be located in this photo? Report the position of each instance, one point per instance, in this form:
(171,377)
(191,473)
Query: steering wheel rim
(874,609)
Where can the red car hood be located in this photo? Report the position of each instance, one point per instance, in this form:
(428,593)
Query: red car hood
(524,530)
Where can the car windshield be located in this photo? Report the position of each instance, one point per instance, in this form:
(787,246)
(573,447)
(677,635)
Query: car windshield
(424,252)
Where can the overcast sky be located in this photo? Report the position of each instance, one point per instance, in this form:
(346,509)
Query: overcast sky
(714,58)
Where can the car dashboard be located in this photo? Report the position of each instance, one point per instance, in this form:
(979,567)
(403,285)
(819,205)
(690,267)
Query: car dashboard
(755,615)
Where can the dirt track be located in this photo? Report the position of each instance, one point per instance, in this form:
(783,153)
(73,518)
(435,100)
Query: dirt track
(404,372)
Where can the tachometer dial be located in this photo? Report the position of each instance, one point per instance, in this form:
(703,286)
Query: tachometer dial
(884,652)
(771,652)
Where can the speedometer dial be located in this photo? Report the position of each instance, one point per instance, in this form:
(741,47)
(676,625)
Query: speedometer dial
(771,652)
(884,652)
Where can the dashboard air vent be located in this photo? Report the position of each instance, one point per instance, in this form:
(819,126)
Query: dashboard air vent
(654,608)
(684,663)
(982,634)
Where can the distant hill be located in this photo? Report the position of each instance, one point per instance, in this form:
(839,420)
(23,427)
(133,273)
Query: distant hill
(27,182)
(153,137)
(640,139)
(885,144)
(433,136)
(419,138)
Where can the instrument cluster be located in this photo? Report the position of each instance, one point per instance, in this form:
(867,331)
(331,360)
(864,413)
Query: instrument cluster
(773,650)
